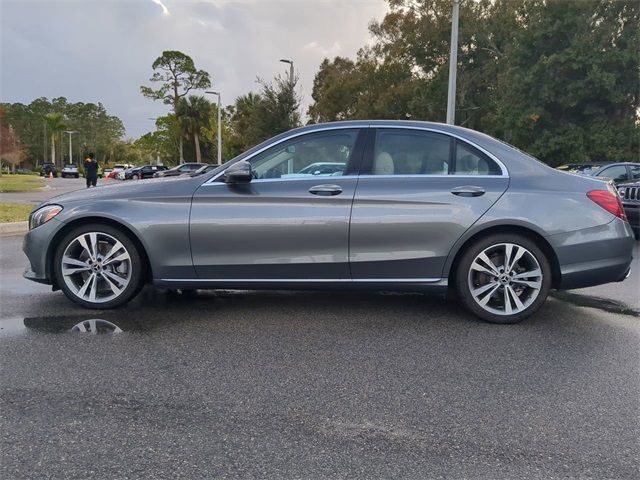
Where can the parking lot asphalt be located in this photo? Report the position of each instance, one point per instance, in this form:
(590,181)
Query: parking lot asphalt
(54,187)
(312,385)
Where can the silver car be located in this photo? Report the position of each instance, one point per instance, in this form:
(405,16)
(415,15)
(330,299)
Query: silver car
(417,206)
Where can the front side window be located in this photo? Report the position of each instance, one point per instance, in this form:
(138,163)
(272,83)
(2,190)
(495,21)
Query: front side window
(322,154)
(617,173)
(635,172)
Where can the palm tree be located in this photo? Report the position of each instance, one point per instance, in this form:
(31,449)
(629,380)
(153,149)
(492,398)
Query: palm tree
(55,123)
(193,115)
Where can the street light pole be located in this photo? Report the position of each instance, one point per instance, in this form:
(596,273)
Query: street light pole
(70,132)
(291,73)
(219,126)
(453,64)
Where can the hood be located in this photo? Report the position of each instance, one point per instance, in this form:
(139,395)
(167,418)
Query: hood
(128,189)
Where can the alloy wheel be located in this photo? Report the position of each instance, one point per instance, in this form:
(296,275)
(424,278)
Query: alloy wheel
(505,279)
(96,267)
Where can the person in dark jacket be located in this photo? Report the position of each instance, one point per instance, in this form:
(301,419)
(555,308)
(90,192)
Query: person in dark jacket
(91,170)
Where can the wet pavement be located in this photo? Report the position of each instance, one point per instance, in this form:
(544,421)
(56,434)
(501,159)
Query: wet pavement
(314,385)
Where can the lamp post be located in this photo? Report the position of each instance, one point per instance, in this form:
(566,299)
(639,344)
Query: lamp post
(290,62)
(219,126)
(453,64)
(70,132)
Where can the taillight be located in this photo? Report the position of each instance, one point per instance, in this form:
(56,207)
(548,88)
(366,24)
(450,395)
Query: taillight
(608,200)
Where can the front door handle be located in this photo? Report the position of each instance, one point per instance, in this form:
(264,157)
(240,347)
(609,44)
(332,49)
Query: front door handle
(326,190)
(468,191)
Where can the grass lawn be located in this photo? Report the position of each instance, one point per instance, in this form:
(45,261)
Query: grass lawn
(14,212)
(19,183)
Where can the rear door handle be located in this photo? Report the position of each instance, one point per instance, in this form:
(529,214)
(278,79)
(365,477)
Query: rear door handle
(468,191)
(326,190)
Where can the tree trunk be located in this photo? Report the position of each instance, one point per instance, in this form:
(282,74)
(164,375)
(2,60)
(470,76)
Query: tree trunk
(181,155)
(197,142)
(53,148)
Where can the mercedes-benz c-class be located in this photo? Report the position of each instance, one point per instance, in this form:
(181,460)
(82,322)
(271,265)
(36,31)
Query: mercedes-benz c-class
(409,206)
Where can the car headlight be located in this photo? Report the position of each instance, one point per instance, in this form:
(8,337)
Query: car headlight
(43,215)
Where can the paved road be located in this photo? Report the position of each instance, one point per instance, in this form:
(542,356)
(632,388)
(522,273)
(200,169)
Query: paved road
(312,385)
(56,186)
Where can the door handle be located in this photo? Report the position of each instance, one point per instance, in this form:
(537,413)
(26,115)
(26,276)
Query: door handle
(326,190)
(468,191)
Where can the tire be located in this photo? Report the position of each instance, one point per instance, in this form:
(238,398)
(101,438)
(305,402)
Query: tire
(500,296)
(135,177)
(97,281)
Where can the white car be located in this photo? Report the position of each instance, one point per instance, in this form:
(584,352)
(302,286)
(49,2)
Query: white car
(70,170)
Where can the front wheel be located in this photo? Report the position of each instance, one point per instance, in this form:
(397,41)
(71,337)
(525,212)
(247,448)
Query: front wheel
(503,278)
(98,267)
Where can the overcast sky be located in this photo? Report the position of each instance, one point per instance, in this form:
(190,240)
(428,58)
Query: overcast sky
(102,50)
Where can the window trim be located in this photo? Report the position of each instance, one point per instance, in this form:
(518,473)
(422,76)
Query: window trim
(367,152)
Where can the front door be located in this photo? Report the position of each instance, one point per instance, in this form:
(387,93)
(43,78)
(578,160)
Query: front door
(418,193)
(290,223)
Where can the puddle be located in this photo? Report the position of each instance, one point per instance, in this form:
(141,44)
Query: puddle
(605,304)
(68,324)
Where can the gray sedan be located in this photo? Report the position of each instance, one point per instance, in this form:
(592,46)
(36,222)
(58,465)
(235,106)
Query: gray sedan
(417,206)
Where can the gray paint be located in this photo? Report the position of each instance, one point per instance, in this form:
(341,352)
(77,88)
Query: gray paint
(395,231)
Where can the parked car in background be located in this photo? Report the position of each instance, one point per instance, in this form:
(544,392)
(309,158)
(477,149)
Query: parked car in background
(145,171)
(70,170)
(48,169)
(204,169)
(106,172)
(580,168)
(618,172)
(630,196)
(419,206)
(117,168)
(180,170)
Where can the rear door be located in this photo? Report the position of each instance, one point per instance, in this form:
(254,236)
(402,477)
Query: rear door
(418,193)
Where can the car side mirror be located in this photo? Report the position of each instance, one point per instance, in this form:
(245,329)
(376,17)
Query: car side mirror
(239,172)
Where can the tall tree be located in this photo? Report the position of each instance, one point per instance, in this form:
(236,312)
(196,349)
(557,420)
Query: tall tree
(177,75)
(194,114)
(55,123)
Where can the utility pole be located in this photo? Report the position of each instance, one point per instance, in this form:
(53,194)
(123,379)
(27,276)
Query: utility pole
(219,126)
(453,64)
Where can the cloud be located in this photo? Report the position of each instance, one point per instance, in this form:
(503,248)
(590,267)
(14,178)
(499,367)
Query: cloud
(103,50)
(165,10)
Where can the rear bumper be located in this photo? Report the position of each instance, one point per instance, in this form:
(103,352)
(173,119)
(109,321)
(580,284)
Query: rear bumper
(595,255)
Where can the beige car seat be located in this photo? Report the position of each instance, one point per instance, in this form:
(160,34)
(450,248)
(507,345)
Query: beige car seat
(383,164)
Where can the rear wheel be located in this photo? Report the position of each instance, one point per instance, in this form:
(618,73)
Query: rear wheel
(98,266)
(504,278)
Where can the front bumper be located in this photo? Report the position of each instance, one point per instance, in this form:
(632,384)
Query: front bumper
(36,246)
(594,256)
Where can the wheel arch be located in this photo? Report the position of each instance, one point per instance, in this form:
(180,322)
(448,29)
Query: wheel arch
(127,230)
(454,257)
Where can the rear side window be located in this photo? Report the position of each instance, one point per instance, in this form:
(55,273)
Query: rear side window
(411,152)
(635,172)
(470,161)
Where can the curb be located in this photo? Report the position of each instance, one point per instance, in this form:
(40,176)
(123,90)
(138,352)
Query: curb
(14,228)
